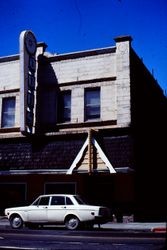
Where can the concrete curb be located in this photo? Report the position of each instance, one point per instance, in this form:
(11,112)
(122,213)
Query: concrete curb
(137,226)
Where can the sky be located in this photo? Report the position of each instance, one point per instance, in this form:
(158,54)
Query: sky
(76,25)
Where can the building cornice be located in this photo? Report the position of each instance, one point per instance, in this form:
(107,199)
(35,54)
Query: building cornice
(6,91)
(9,58)
(80,54)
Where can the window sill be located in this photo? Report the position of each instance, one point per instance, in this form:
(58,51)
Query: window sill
(86,124)
(9,130)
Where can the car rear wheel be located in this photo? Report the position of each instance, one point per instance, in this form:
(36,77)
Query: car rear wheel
(16,221)
(72,223)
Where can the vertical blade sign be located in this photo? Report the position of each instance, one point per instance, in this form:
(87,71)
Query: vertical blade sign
(28,46)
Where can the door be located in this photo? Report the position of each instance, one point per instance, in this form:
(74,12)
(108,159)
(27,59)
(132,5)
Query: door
(39,211)
(57,209)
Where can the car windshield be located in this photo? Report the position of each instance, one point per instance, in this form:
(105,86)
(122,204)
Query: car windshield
(35,203)
(80,200)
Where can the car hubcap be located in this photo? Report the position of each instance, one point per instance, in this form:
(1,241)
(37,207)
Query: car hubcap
(16,222)
(73,223)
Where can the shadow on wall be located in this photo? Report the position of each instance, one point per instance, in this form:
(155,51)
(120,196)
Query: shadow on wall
(149,126)
(47,97)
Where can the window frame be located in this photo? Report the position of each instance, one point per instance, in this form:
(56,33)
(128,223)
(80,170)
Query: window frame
(88,108)
(9,124)
(66,109)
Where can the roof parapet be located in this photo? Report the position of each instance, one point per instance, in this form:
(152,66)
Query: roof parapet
(41,47)
(123,38)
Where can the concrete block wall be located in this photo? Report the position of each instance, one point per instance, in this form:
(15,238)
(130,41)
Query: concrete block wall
(109,101)
(85,68)
(115,94)
(76,74)
(108,69)
(9,75)
(123,81)
(10,84)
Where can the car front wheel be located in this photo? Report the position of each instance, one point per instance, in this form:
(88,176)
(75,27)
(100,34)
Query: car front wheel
(16,221)
(72,223)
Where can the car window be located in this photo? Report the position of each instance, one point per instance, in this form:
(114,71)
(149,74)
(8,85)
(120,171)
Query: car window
(80,200)
(35,203)
(58,200)
(44,201)
(69,201)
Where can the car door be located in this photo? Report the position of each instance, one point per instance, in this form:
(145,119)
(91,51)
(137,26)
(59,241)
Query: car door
(38,212)
(57,209)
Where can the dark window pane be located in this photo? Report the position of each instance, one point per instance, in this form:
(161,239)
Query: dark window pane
(58,200)
(36,202)
(92,104)
(44,201)
(66,106)
(68,201)
(8,112)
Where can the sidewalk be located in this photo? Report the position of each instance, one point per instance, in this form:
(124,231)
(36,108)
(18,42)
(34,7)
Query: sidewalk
(128,224)
(137,226)
(157,227)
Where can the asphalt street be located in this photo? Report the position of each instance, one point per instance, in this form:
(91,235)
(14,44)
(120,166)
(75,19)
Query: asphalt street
(62,239)
(111,236)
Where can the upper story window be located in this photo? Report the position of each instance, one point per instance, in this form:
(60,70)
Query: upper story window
(92,103)
(8,112)
(66,109)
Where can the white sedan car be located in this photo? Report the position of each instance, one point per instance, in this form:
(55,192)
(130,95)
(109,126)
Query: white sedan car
(69,210)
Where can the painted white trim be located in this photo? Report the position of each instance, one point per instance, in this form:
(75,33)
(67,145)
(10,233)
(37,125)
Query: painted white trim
(101,153)
(33,171)
(103,156)
(77,159)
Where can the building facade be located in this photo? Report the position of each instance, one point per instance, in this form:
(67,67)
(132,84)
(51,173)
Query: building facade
(95,125)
